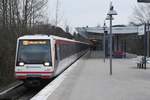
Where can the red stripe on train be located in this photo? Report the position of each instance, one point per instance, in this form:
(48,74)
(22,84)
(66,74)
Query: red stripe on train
(33,72)
(21,77)
(25,77)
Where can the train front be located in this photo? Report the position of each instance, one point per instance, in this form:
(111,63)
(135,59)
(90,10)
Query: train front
(33,61)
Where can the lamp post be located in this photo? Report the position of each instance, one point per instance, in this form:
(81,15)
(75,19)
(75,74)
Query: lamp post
(104,40)
(110,14)
(56,16)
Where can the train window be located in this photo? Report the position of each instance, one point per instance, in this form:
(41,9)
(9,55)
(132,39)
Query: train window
(70,49)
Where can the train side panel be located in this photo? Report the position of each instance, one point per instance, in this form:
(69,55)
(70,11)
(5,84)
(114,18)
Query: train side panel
(67,53)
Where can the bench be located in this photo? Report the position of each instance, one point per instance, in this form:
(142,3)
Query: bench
(141,63)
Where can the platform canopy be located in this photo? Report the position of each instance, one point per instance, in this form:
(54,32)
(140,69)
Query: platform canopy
(120,30)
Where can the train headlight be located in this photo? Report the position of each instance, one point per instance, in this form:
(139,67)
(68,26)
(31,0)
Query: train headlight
(46,64)
(21,64)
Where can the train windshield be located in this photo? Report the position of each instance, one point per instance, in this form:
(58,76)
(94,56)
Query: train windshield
(34,52)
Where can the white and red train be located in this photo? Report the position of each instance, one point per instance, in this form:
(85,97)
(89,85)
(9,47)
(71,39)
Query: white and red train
(43,57)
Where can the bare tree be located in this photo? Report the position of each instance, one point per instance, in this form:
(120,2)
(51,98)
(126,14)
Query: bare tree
(16,16)
(32,11)
(141,14)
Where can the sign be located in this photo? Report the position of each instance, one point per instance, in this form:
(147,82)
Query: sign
(141,30)
(33,42)
(146,1)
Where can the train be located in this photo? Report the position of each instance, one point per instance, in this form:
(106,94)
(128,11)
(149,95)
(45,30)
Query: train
(44,57)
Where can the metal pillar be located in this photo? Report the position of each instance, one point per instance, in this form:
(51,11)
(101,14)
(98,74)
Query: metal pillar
(57,9)
(104,43)
(110,38)
(109,17)
(148,39)
(145,45)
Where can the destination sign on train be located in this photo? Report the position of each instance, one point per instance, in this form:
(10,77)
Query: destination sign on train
(34,42)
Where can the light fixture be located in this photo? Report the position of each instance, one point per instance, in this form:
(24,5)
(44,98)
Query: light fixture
(111,10)
(46,64)
(21,64)
(109,18)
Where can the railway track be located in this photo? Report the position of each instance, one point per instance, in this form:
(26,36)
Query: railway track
(12,92)
(19,92)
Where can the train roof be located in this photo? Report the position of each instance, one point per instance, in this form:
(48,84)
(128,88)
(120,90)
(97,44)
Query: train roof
(34,37)
(61,38)
(38,36)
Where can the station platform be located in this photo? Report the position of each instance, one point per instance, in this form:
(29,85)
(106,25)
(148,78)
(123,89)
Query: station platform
(90,80)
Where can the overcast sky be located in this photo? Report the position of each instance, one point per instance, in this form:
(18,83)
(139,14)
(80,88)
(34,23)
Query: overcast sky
(90,12)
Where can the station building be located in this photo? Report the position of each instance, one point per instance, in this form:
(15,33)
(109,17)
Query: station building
(124,38)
